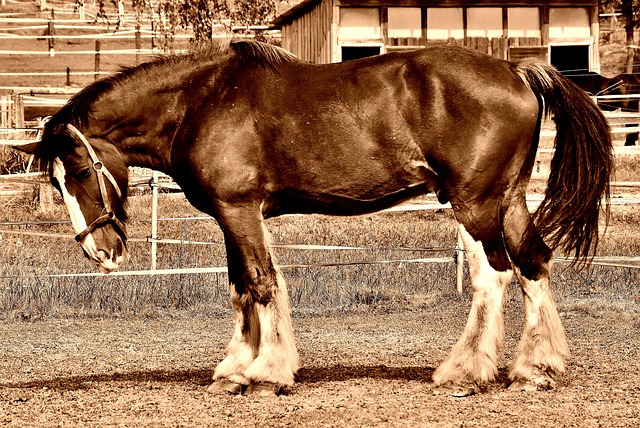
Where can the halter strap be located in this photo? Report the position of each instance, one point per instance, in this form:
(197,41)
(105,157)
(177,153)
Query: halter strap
(101,173)
(98,166)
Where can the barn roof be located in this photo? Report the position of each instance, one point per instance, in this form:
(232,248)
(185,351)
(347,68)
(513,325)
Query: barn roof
(296,11)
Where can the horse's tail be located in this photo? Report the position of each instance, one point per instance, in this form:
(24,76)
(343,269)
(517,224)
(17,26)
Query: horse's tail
(581,167)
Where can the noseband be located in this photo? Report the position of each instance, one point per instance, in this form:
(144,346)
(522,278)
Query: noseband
(108,215)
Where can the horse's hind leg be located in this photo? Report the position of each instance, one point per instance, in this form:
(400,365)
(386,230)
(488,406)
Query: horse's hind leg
(261,354)
(543,348)
(473,360)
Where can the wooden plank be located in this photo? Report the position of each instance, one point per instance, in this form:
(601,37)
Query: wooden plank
(423,19)
(497,50)
(544,24)
(517,52)
(384,25)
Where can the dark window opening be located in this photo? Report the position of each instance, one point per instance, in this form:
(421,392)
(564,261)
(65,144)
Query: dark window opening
(570,58)
(356,52)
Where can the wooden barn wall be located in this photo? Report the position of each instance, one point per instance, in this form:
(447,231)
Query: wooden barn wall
(309,37)
(513,48)
(467,3)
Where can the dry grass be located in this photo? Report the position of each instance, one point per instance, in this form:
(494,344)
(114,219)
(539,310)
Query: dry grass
(28,291)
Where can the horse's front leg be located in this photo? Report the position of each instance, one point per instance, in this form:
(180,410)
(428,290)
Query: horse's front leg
(242,349)
(277,359)
(262,357)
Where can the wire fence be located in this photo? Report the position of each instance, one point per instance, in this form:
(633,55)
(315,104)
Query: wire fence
(456,250)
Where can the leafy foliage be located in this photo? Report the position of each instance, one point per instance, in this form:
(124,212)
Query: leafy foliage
(630,16)
(629,10)
(201,15)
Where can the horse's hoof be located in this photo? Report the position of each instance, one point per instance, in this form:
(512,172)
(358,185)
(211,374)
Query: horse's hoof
(458,390)
(225,386)
(536,383)
(264,389)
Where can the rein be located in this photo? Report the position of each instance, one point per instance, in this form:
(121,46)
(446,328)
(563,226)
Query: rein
(101,172)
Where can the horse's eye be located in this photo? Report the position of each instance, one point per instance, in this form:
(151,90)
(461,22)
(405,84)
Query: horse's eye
(83,175)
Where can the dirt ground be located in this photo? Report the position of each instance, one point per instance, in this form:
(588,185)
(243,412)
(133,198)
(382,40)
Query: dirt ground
(367,369)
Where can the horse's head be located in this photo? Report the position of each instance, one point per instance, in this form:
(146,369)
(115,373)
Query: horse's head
(91,176)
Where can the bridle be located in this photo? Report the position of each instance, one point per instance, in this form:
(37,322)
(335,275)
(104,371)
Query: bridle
(108,215)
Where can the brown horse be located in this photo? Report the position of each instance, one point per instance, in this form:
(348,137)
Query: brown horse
(250,132)
(622,84)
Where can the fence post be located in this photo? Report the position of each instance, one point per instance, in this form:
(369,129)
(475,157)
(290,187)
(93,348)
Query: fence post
(459,263)
(5,120)
(120,13)
(45,197)
(51,32)
(154,218)
(138,43)
(97,61)
(18,111)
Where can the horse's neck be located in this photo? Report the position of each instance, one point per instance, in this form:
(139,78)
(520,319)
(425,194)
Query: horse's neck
(146,155)
(145,113)
(143,126)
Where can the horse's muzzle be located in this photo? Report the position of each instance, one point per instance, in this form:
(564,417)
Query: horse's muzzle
(105,249)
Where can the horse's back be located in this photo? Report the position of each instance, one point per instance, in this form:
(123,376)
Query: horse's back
(359,136)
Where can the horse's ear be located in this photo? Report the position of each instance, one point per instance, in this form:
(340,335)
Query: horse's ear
(31,148)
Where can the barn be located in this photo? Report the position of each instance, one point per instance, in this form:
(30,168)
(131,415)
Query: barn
(562,31)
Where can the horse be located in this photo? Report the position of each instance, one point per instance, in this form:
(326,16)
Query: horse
(250,132)
(622,84)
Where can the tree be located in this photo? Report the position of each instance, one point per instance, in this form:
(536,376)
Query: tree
(253,12)
(203,15)
(102,12)
(630,15)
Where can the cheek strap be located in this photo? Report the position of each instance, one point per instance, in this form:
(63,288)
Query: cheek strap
(101,172)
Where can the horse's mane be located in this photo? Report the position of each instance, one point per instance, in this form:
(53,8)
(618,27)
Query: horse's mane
(250,54)
(77,110)
(261,55)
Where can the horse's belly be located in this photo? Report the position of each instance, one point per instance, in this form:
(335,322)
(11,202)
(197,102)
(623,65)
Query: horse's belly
(292,201)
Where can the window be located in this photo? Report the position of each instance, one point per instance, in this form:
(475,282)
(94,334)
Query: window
(359,24)
(357,52)
(569,23)
(570,57)
(524,22)
(484,22)
(444,23)
(404,22)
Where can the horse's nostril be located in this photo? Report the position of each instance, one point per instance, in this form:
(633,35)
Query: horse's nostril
(103,255)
